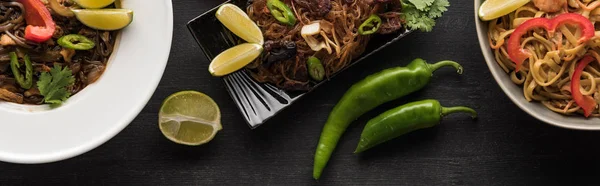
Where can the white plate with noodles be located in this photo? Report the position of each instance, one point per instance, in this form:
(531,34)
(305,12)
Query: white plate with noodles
(107,84)
(549,61)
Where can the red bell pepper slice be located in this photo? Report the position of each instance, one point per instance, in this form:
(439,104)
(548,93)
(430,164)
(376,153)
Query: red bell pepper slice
(40,26)
(518,54)
(587,103)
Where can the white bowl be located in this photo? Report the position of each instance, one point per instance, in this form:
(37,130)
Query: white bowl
(38,134)
(515,92)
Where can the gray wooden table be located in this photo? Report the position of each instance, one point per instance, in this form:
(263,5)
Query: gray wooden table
(505,146)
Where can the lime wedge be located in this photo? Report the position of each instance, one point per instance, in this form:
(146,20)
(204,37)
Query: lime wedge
(238,22)
(189,118)
(234,59)
(105,19)
(94,3)
(492,9)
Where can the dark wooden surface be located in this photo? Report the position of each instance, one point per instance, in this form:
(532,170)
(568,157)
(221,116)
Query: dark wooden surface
(505,146)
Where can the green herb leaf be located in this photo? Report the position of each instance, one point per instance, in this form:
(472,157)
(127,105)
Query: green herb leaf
(53,85)
(438,8)
(421,14)
(421,4)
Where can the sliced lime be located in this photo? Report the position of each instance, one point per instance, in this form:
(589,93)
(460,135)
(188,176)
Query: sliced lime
(238,22)
(105,19)
(94,3)
(492,9)
(189,118)
(234,59)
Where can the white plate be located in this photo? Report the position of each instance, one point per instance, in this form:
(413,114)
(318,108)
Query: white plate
(37,134)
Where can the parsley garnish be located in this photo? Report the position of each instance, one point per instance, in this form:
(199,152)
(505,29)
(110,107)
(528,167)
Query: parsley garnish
(53,85)
(421,14)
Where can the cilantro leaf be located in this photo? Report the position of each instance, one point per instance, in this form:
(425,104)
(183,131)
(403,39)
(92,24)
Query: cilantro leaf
(53,85)
(421,4)
(438,8)
(421,14)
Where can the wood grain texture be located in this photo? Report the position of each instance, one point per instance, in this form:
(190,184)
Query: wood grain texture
(505,146)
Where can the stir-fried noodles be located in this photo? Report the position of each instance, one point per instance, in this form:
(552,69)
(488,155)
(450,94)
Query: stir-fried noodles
(547,73)
(339,21)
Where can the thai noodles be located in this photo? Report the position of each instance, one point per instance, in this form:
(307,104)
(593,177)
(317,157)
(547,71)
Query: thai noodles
(287,50)
(549,73)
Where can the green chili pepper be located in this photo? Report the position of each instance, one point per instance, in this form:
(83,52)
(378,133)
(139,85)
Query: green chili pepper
(281,12)
(315,68)
(24,81)
(370,26)
(405,119)
(76,42)
(369,93)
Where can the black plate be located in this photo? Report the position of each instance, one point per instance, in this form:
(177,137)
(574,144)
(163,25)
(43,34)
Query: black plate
(258,102)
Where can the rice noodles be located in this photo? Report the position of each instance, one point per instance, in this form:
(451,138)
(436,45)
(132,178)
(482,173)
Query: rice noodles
(546,75)
(339,20)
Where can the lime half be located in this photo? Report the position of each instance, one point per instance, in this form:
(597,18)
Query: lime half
(105,19)
(189,118)
(492,9)
(234,59)
(238,22)
(94,3)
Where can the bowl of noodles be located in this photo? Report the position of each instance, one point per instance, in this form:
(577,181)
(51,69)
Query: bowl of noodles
(544,55)
(69,83)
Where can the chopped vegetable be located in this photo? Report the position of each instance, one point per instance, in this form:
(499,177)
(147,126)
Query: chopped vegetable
(60,9)
(587,103)
(403,120)
(40,26)
(420,14)
(518,55)
(368,94)
(6,40)
(53,85)
(24,81)
(308,32)
(76,42)
(370,26)
(315,68)
(281,12)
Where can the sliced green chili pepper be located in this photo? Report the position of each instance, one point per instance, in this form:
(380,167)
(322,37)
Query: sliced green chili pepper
(76,42)
(370,26)
(24,81)
(281,12)
(369,93)
(315,68)
(405,119)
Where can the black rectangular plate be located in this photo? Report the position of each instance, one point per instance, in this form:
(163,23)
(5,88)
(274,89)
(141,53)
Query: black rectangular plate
(259,102)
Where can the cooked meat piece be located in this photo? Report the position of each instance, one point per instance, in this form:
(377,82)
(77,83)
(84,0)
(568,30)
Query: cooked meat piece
(318,8)
(278,51)
(391,23)
(549,6)
(10,96)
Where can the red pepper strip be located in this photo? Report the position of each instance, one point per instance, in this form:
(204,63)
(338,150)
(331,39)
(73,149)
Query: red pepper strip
(518,54)
(40,26)
(587,103)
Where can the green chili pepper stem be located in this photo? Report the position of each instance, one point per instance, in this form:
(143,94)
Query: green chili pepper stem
(438,65)
(451,110)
